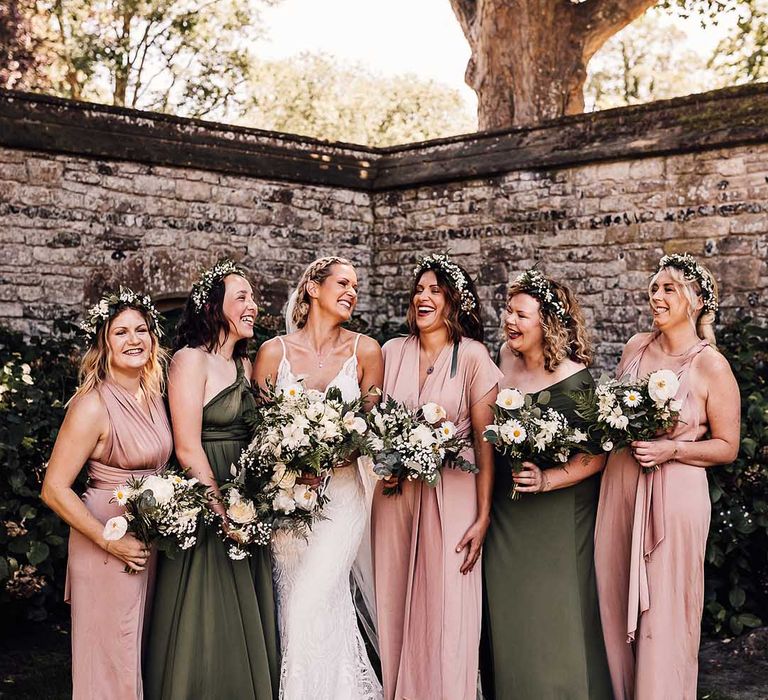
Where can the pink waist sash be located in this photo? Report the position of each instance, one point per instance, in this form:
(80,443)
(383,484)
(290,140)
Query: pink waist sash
(104,477)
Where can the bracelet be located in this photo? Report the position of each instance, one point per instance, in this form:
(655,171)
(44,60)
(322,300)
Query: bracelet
(106,549)
(674,453)
(544,481)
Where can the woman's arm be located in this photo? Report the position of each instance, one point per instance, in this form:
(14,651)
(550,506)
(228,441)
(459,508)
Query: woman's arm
(371,363)
(85,426)
(723,415)
(267,363)
(481,415)
(186,392)
(580,466)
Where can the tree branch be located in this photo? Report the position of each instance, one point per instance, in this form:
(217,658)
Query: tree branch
(601,19)
(465,11)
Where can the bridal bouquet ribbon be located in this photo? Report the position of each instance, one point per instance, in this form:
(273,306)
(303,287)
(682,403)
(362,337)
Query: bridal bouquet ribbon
(160,509)
(623,410)
(296,432)
(407,444)
(528,431)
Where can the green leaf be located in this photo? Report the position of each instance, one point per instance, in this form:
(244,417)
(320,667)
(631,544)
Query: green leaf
(5,571)
(749,447)
(544,398)
(736,625)
(38,553)
(749,620)
(737,597)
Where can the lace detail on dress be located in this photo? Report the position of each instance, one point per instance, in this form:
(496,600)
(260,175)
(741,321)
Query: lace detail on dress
(323,653)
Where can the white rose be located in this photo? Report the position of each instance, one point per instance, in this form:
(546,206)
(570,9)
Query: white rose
(242,512)
(283,502)
(433,412)
(314,395)
(115,528)
(422,435)
(354,423)
(304,497)
(510,399)
(663,385)
(161,489)
(607,445)
(315,411)
(328,430)
(446,430)
(282,478)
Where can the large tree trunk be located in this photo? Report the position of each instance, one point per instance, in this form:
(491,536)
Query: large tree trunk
(529,57)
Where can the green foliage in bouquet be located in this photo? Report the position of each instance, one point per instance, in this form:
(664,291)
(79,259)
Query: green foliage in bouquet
(737,550)
(37,377)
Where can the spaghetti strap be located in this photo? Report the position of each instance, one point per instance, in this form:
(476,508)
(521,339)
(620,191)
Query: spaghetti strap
(282,344)
(357,340)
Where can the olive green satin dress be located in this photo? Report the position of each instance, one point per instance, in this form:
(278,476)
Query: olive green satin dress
(542,638)
(213,633)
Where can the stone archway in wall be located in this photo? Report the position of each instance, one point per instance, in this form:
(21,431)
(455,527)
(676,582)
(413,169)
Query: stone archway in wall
(93,195)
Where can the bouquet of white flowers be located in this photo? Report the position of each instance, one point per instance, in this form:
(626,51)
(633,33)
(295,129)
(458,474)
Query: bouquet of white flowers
(412,445)
(623,411)
(525,431)
(161,509)
(295,432)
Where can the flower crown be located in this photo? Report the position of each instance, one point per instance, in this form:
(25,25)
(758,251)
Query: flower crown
(202,288)
(454,273)
(534,283)
(694,272)
(113,302)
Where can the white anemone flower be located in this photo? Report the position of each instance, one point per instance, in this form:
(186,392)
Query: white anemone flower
(433,412)
(115,528)
(510,399)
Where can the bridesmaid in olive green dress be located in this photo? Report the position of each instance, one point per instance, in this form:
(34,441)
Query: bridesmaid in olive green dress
(213,633)
(541,625)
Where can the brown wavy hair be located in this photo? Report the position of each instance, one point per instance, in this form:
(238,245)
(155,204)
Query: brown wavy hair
(96,365)
(203,327)
(461,324)
(562,337)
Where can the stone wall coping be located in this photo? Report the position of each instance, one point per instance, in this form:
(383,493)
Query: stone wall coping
(721,118)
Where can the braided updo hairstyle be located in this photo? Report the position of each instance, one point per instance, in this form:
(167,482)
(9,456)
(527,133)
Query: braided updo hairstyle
(298,305)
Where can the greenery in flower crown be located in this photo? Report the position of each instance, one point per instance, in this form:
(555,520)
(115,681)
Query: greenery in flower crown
(532,282)
(111,303)
(202,288)
(687,264)
(454,273)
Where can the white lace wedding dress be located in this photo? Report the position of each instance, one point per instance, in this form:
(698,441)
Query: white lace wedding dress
(323,654)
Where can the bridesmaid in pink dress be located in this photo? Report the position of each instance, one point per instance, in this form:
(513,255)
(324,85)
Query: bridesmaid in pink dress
(651,529)
(427,541)
(118,426)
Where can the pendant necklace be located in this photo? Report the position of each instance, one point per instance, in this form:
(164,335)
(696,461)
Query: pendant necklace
(432,361)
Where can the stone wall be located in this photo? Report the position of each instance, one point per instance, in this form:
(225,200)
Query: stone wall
(93,196)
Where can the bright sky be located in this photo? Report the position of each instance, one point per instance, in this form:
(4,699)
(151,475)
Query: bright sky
(403,36)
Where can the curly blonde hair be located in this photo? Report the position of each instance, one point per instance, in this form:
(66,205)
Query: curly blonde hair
(96,365)
(563,338)
(317,272)
(690,290)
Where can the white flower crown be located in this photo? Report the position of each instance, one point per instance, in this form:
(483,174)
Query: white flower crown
(694,272)
(202,288)
(534,283)
(454,273)
(113,302)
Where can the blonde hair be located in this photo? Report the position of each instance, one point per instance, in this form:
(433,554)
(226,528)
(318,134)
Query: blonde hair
(96,365)
(317,272)
(563,337)
(690,290)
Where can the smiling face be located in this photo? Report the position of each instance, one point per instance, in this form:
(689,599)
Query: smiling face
(336,295)
(129,341)
(238,306)
(668,305)
(522,324)
(429,303)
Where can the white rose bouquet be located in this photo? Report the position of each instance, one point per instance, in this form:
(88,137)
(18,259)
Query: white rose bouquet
(525,431)
(295,433)
(162,509)
(623,411)
(412,445)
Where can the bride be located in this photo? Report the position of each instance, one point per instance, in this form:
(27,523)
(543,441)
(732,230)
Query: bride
(323,654)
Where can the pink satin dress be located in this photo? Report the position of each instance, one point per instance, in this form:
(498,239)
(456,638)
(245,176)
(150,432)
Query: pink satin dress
(650,539)
(109,606)
(428,612)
